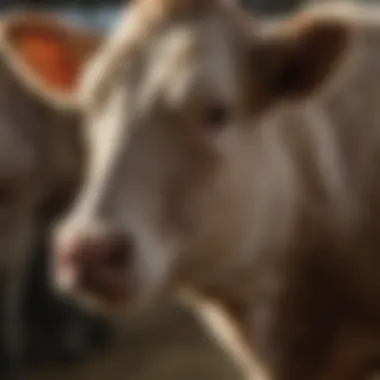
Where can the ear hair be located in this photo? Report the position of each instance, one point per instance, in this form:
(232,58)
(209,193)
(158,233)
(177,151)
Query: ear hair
(296,59)
(34,44)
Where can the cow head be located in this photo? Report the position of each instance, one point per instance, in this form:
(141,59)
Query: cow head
(174,102)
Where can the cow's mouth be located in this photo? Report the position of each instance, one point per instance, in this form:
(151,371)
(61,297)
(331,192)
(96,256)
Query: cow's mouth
(108,282)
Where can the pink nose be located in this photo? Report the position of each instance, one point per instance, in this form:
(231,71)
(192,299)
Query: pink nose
(100,263)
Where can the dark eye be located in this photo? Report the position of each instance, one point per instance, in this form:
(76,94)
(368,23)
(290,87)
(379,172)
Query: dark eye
(216,116)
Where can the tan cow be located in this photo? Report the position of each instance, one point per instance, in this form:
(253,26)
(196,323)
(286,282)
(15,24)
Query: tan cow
(241,159)
(41,147)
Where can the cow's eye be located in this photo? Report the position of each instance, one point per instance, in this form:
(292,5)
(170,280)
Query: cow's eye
(216,116)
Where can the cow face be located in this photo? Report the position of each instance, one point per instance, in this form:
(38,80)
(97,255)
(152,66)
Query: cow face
(174,103)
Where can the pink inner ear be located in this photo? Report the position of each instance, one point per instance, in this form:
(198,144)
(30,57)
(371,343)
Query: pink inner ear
(49,56)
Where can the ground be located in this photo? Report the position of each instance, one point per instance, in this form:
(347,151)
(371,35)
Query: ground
(165,343)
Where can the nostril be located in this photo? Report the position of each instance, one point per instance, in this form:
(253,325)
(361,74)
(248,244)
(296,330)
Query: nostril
(118,253)
(107,250)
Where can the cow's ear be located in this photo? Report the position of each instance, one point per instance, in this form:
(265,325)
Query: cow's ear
(46,53)
(294,59)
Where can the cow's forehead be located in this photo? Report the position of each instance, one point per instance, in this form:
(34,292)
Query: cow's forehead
(190,60)
(176,59)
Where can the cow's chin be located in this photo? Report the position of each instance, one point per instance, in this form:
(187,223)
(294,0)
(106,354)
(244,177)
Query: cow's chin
(103,294)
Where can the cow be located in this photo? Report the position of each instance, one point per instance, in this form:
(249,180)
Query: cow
(41,156)
(239,159)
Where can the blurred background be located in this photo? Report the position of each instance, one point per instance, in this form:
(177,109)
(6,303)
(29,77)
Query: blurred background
(102,13)
(166,342)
